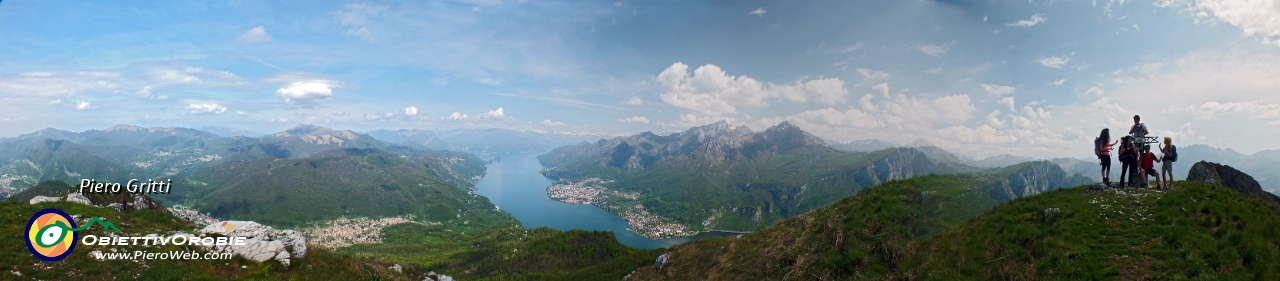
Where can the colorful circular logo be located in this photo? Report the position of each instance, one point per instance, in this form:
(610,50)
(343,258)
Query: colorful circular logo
(50,236)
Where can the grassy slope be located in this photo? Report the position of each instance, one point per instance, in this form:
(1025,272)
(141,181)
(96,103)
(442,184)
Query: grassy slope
(512,253)
(1195,231)
(14,256)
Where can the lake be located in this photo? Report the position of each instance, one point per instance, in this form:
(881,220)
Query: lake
(515,185)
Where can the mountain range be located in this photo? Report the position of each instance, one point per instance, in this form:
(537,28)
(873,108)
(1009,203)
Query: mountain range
(491,141)
(725,177)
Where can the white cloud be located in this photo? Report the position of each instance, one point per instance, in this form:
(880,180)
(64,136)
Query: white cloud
(457,116)
(758,12)
(872,76)
(254,35)
(1055,61)
(411,111)
(1259,19)
(1058,83)
(1035,19)
(55,102)
(883,88)
(998,90)
(1094,92)
(84,105)
(239,112)
(1252,109)
(993,119)
(1007,101)
(635,119)
(710,91)
(1105,104)
(934,70)
(634,100)
(307,93)
(934,50)
(203,108)
(834,118)
(550,123)
(493,114)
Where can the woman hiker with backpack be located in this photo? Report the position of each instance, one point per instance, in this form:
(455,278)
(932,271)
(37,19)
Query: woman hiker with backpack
(1166,164)
(1102,149)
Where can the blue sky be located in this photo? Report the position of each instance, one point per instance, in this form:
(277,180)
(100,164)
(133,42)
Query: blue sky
(1034,78)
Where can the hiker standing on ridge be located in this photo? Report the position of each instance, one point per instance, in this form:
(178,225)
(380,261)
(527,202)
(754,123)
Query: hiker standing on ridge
(1102,149)
(1148,166)
(1169,155)
(1128,160)
(1138,131)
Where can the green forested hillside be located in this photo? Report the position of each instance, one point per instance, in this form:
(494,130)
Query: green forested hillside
(350,182)
(935,227)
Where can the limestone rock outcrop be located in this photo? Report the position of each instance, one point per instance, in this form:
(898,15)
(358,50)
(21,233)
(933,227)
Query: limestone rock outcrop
(1223,175)
(262,242)
(42,199)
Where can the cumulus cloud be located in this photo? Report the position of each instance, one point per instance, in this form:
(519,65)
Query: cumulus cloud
(835,118)
(993,119)
(1259,19)
(84,105)
(254,35)
(1055,61)
(872,76)
(411,111)
(1058,83)
(550,123)
(758,12)
(934,50)
(496,114)
(634,100)
(708,90)
(1209,110)
(457,116)
(635,119)
(493,114)
(307,93)
(998,90)
(1035,19)
(1006,101)
(55,102)
(206,108)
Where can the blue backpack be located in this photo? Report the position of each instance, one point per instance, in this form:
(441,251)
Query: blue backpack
(1174,149)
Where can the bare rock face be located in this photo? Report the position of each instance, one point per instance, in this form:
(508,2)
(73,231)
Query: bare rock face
(79,198)
(42,199)
(1223,175)
(262,243)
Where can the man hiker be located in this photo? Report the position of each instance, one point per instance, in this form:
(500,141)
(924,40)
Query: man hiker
(1138,131)
(1128,160)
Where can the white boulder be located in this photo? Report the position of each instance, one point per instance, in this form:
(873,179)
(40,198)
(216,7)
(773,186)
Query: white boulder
(42,199)
(262,242)
(79,198)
